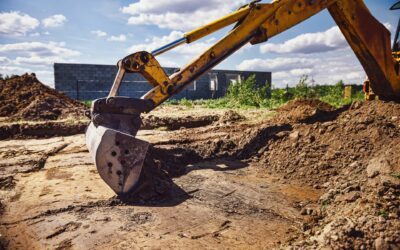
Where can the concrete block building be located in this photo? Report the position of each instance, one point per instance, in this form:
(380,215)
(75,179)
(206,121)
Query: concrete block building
(89,82)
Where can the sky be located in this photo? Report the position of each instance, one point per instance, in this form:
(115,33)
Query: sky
(34,34)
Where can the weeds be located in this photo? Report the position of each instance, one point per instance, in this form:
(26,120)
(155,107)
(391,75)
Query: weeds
(383,213)
(88,103)
(247,94)
(325,204)
(396,175)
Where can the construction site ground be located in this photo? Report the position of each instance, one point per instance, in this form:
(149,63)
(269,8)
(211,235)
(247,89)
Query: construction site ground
(57,199)
(304,176)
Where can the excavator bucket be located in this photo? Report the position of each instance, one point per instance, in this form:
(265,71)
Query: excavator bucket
(118,157)
(110,138)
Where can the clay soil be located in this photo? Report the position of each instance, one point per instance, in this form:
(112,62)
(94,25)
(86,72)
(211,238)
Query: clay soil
(309,177)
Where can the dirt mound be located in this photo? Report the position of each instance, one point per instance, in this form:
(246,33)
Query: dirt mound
(302,109)
(25,98)
(231,116)
(351,153)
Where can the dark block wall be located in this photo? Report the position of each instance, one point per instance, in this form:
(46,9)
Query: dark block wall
(88,82)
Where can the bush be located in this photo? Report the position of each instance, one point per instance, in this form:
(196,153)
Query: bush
(246,93)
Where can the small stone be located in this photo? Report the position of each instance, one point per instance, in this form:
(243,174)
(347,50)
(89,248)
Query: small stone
(294,135)
(351,196)
(378,166)
(380,243)
(334,237)
(325,197)
(362,219)
(373,174)
(354,164)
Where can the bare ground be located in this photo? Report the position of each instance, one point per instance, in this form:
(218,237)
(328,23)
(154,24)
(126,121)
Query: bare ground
(60,201)
(312,177)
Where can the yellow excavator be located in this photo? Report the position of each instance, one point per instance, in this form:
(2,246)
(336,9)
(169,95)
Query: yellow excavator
(115,120)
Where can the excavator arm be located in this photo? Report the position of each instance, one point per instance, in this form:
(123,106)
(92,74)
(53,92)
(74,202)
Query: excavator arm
(119,156)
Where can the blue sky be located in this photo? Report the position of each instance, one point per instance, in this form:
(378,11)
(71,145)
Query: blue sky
(35,34)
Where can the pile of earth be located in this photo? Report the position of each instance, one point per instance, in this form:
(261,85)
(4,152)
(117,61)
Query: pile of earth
(26,98)
(351,154)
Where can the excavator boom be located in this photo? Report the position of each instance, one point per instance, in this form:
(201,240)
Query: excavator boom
(119,156)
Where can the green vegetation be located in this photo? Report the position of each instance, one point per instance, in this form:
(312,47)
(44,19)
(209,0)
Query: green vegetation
(247,95)
(325,204)
(396,175)
(383,213)
(88,103)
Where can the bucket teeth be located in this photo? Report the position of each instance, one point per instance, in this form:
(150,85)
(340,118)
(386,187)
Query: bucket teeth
(118,156)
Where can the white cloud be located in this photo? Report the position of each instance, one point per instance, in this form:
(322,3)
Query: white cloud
(179,14)
(324,68)
(54,21)
(34,57)
(277,64)
(13,70)
(4,60)
(39,49)
(120,38)
(34,34)
(99,33)
(45,76)
(15,23)
(324,56)
(331,39)
(155,42)
(179,55)
(187,50)
(36,60)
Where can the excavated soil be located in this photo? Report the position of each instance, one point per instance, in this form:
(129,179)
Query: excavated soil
(26,98)
(350,153)
(41,129)
(311,177)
